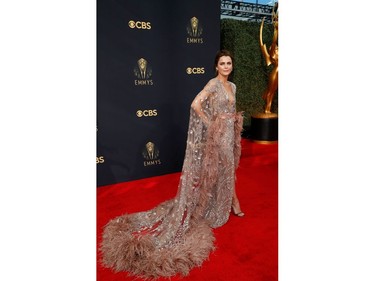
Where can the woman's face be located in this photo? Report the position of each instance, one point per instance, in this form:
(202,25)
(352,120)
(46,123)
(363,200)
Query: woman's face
(224,65)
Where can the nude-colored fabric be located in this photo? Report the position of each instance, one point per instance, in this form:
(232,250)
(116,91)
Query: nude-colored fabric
(177,235)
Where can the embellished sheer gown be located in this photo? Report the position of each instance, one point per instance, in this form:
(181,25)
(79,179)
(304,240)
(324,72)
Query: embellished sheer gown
(176,235)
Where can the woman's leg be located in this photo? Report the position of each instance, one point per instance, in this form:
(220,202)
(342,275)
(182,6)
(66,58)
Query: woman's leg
(236,205)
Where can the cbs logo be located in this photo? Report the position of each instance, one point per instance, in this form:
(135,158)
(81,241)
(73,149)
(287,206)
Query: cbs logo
(147,113)
(100,160)
(195,70)
(139,24)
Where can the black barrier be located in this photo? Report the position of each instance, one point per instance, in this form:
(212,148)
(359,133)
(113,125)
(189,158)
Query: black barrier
(153,57)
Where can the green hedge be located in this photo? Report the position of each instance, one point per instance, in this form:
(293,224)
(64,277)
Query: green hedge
(250,71)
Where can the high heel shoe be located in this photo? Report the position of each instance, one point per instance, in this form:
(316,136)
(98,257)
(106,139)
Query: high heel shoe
(237,213)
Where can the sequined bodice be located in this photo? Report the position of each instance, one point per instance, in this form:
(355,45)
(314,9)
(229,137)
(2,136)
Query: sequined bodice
(220,98)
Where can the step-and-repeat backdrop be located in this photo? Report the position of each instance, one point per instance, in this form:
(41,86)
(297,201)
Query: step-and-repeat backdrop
(153,57)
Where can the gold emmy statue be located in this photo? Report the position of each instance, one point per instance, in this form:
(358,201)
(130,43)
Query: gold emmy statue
(271,56)
(264,126)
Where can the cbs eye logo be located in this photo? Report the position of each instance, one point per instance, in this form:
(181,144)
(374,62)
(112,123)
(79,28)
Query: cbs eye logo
(139,24)
(147,113)
(195,70)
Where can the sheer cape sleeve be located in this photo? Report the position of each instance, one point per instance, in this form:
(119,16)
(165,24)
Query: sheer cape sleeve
(200,104)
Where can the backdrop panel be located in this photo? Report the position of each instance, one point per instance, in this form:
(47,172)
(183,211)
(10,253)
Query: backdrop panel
(153,57)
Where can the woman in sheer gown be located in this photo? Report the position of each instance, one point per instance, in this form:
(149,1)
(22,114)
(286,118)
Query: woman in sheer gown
(176,235)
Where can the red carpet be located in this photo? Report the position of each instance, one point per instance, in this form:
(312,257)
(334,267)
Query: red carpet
(247,248)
